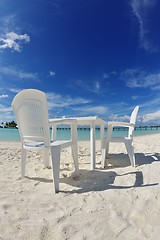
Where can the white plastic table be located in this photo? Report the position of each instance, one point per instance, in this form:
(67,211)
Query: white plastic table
(92,121)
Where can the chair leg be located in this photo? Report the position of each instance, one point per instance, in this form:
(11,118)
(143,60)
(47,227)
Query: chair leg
(75,157)
(109,136)
(55,156)
(23,162)
(130,151)
(105,153)
(103,157)
(46,158)
(107,149)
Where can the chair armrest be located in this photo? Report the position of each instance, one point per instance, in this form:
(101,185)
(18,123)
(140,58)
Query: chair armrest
(59,121)
(120,124)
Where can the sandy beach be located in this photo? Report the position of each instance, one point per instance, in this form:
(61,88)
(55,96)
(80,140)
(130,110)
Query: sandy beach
(118,202)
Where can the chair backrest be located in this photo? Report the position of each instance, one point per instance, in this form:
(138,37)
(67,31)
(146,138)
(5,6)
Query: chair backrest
(133,120)
(134,115)
(31,113)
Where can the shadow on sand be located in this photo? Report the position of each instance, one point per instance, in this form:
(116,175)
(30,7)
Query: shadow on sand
(122,160)
(99,180)
(104,179)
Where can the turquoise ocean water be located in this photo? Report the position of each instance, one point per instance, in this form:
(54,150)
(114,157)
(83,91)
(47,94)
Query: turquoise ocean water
(7,134)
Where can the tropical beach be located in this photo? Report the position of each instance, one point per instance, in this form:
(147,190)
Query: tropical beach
(118,202)
(95,63)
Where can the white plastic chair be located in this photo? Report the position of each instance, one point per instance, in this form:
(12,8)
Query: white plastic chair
(31,113)
(128,141)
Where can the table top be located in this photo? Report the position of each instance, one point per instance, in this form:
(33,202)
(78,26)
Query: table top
(53,121)
(79,120)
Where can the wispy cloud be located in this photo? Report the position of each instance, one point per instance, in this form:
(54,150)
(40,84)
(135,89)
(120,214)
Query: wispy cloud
(5,109)
(5,113)
(54,3)
(13,41)
(134,97)
(77,106)
(12,71)
(91,110)
(15,90)
(140,9)
(109,75)
(8,24)
(59,101)
(95,86)
(136,78)
(151,118)
(105,76)
(148,106)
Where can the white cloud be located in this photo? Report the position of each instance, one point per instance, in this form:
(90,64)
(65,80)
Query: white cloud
(52,74)
(3,96)
(13,41)
(136,78)
(15,90)
(17,73)
(115,117)
(140,9)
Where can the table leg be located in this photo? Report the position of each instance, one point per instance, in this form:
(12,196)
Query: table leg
(74,137)
(103,149)
(92,146)
(54,132)
(109,135)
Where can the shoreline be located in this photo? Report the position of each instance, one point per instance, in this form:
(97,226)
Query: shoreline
(83,134)
(81,140)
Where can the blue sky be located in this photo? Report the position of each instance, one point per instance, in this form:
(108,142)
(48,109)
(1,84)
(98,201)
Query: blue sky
(91,57)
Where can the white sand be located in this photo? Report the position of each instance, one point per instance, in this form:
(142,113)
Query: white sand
(119,202)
